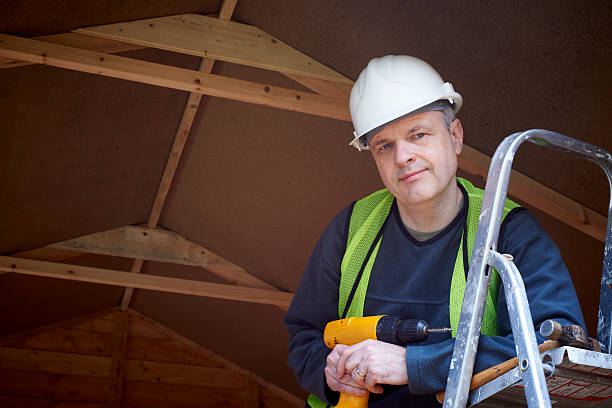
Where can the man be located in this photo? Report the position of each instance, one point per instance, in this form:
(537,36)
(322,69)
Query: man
(401,251)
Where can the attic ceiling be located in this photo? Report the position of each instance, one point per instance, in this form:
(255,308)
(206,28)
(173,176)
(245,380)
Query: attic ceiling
(257,185)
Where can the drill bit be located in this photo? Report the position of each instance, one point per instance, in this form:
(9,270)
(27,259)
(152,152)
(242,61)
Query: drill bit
(442,330)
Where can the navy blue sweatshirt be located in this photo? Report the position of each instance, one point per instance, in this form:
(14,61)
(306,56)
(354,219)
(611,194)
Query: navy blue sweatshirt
(412,278)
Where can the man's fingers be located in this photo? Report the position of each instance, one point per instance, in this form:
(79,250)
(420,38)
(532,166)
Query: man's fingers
(341,363)
(354,350)
(335,354)
(337,385)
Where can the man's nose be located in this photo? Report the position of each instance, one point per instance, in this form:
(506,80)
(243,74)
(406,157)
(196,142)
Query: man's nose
(404,154)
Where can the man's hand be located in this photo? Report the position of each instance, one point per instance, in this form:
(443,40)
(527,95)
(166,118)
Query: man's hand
(367,365)
(344,382)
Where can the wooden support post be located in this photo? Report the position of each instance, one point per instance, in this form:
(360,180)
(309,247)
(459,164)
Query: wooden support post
(193,102)
(252,394)
(115,391)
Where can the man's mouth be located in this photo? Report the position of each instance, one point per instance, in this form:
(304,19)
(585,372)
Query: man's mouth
(412,175)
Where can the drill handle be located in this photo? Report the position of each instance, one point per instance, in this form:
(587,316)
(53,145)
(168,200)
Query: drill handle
(353,401)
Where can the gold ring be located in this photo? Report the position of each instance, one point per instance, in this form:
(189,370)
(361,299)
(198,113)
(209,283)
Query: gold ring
(359,373)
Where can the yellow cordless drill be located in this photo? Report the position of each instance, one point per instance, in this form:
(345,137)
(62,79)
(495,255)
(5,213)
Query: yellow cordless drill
(390,329)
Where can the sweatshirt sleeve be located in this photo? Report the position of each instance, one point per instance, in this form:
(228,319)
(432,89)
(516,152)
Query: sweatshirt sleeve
(314,304)
(550,293)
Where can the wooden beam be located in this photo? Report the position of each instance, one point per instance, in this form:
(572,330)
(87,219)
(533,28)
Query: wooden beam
(323,87)
(227,9)
(86,42)
(48,254)
(170,77)
(191,107)
(153,244)
(139,242)
(539,196)
(221,40)
(151,282)
(126,298)
(118,367)
(193,102)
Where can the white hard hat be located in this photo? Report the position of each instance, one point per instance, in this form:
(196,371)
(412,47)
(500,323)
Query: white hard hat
(391,87)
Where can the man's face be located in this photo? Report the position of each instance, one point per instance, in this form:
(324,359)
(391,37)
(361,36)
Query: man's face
(417,157)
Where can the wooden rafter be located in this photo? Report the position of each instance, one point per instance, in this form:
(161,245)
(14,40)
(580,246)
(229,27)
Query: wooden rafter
(48,254)
(86,42)
(171,77)
(539,196)
(153,244)
(141,281)
(182,133)
(214,38)
(323,87)
(103,45)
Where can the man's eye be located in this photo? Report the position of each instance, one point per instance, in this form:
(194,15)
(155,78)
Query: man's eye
(419,136)
(384,147)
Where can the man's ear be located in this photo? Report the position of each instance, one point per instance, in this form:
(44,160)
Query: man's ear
(456,131)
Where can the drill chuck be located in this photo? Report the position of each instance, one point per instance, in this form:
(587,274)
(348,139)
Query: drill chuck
(391,329)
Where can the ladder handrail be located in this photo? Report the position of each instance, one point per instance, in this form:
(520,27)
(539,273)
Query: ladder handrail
(468,333)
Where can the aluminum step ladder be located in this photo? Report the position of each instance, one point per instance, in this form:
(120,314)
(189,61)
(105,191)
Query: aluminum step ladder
(576,367)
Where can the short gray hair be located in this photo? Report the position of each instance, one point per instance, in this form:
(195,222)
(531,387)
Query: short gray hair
(443,106)
(448,113)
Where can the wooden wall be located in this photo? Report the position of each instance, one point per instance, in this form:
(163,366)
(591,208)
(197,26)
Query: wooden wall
(115,358)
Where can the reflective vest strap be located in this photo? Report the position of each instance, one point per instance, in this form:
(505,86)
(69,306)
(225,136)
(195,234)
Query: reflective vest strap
(367,218)
(458,281)
(314,402)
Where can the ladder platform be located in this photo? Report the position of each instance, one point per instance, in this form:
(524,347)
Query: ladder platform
(575,378)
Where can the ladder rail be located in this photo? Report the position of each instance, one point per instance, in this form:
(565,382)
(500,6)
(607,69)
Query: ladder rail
(530,365)
(604,317)
(468,333)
